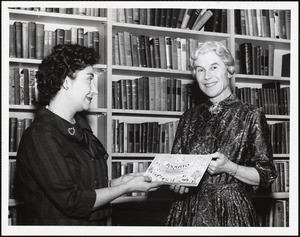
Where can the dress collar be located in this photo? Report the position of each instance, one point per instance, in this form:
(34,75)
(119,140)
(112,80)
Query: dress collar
(227,101)
(80,132)
(73,131)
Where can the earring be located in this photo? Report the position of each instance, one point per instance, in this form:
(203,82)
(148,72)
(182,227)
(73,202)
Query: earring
(66,87)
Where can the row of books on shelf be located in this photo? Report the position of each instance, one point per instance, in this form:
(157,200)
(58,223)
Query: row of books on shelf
(125,167)
(144,137)
(280,137)
(272,213)
(282,182)
(152,93)
(16,128)
(98,12)
(214,20)
(270,99)
(272,23)
(22,86)
(152,52)
(31,40)
(263,60)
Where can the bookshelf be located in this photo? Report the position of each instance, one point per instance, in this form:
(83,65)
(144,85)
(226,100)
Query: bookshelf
(102,113)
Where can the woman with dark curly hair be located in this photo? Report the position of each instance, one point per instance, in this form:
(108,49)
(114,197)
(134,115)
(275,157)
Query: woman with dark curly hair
(61,165)
(237,137)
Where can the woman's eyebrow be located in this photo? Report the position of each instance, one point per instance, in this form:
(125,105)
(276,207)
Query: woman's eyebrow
(90,74)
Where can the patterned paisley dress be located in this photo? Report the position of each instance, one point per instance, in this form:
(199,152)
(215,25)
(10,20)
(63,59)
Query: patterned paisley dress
(239,131)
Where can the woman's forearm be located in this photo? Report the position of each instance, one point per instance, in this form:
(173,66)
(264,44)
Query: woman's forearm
(106,195)
(245,174)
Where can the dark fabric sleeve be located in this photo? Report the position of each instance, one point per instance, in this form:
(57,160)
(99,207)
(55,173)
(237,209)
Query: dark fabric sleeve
(260,144)
(47,164)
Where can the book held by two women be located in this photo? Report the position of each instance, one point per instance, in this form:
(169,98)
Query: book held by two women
(181,169)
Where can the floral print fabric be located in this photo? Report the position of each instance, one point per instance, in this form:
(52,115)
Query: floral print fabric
(239,131)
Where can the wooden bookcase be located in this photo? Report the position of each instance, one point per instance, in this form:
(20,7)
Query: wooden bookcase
(101,116)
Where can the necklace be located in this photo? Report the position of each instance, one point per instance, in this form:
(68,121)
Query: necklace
(215,108)
(73,120)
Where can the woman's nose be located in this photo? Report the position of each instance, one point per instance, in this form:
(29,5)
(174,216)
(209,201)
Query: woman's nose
(207,75)
(94,89)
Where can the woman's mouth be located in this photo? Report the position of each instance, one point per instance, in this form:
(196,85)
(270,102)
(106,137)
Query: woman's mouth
(210,84)
(89,99)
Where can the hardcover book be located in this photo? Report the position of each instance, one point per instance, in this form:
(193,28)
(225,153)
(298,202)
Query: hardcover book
(182,169)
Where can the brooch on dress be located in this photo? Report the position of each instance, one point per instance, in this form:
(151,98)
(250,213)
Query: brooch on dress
(71,131)
(215,109)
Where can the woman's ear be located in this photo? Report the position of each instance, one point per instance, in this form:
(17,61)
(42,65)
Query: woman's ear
(66,83)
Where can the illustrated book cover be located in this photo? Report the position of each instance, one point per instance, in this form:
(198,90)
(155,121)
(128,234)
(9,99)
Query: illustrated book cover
(182,169)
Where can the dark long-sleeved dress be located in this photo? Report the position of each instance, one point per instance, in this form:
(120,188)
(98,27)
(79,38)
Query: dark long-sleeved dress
(59,166)
(240,132)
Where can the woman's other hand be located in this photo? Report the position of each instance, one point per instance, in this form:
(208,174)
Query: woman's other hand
(179,189)
(220,163)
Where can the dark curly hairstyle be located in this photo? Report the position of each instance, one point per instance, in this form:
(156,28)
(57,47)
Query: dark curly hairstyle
(63,61)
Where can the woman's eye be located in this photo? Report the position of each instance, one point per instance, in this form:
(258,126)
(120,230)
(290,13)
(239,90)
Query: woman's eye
(199,70)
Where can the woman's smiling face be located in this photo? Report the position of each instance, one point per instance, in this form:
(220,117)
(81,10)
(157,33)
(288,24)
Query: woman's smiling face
(212,76)
(83,89)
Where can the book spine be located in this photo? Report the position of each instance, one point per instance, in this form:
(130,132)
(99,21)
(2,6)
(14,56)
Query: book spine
(25,36)
(179,59)
(180,18)
(40,41)
(246,58)
(135,94)
(203,20)
(169,17)
(116,50)
(12,41)
(129,93)
(11,86)
(163,94)
(32,40)
(175,13)
(162,52)
(151,93)
(186,18)
(127,48)
(20,130)
(288,23)
(143,16)
(18,27)
(148,52)
(12,134)
(146,94)
(174,54)
(183,54)
(156,53)
(193,18)
(168,42)
(141,93)
(17,85)
(163,17)
(80,35)
(157,90)
(129,15)
(134,50)
(143,50)
(122,49)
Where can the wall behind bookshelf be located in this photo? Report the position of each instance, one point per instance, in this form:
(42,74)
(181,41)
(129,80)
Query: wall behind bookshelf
(102,114)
